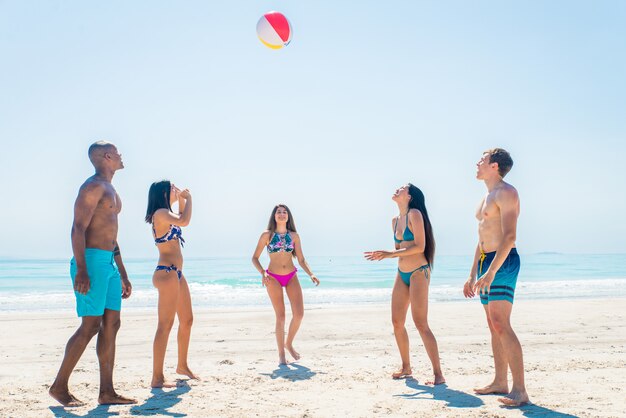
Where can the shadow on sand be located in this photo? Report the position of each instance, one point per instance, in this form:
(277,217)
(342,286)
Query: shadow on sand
(161,401)
(98,411)
(532,411)
(292,372)
(157,404)
(453,398)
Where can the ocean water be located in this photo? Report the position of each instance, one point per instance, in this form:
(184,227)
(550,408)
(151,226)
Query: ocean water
(45,285)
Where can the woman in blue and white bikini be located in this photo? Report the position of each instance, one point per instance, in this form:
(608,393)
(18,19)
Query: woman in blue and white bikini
(415,249)
(168,277)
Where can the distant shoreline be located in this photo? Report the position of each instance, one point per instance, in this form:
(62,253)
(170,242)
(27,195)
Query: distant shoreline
(5,258)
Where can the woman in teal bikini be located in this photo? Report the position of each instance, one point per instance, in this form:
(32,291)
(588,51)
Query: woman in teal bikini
(283,245)
(415,249)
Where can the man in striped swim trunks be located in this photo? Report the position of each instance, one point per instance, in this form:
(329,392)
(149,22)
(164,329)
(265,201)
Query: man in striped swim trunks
(494,273)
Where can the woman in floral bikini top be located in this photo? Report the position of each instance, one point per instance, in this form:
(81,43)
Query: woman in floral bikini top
(283,245)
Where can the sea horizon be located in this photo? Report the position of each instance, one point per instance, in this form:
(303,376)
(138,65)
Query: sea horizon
(44,284)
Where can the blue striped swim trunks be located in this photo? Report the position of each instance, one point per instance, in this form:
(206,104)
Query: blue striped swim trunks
(503,285)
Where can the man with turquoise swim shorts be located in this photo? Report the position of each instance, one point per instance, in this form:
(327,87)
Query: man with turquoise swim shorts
(98,274)
(496,265)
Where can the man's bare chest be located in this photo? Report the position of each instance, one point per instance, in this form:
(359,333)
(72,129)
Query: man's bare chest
(488,210)
(110,203)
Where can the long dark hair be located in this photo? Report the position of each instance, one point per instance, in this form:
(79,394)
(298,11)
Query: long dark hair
(291,225)
(419,202)
(158,198)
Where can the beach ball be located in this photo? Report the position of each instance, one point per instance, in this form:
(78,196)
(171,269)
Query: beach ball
(274,30)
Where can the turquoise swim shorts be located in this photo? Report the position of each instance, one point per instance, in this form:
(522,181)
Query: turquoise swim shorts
(105,291)
(503,285)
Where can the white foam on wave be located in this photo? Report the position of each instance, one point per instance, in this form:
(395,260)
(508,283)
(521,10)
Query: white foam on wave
(221,295)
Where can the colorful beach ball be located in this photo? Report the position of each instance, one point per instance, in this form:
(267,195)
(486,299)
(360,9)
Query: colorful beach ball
(274,30)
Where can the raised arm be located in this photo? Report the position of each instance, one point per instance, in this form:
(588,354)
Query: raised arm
(182,201)
(183,217)
(302,260)
(86,203)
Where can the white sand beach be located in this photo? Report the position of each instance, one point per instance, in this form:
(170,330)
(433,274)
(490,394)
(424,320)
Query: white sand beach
(575,361)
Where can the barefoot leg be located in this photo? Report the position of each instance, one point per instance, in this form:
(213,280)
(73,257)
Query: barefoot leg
(294,293)
(185,320)
(399,308)
(65,398)
(73,351)
(162,383)
(275,292)
(105,348)
(499,385)
(515,398)
(418,292)
(168,287)
(114,399)
(500,313)
(492,389)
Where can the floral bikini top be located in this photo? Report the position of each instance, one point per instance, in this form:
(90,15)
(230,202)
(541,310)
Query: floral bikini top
(281,243)
(175,232)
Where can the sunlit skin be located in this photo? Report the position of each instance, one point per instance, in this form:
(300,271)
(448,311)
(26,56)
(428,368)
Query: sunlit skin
(282,263)
(95,226)
(174,296)
(497,217)
(410,256)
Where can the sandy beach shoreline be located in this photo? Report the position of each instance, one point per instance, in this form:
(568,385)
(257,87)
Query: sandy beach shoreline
(574,350)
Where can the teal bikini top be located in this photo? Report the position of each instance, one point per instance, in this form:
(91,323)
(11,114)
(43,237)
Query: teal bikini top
(407,235)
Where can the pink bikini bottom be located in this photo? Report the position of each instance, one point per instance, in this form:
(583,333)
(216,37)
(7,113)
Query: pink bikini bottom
(283,279)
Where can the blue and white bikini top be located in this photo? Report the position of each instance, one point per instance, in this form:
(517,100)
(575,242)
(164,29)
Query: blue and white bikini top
(175,232)
(281,243)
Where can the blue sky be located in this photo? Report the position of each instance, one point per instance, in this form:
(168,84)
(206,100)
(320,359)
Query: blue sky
(367,96)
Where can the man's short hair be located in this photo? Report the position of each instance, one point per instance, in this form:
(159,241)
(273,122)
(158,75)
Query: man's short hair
(503,158)
(98,148)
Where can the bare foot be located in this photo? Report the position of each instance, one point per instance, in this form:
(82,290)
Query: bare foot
(402,373)
(515,398)
(185,371)
(439,380)
(162,383)
(282,360)
(293,352)
(65,398)
(493,388)
(114,399)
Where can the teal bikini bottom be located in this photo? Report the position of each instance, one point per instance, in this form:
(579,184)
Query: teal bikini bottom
(406,276)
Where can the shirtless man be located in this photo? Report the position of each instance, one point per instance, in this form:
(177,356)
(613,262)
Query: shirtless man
(99,283)
(496,265)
